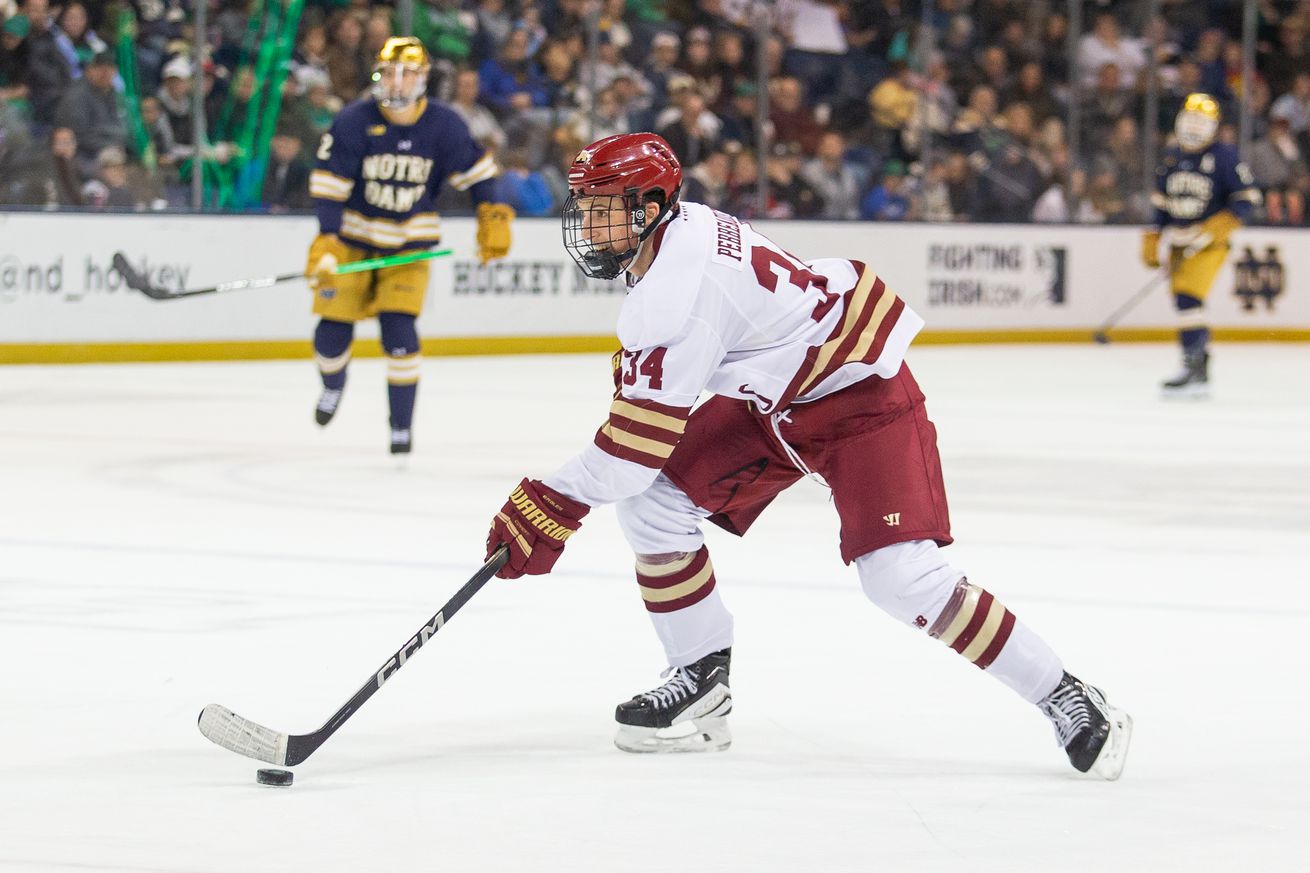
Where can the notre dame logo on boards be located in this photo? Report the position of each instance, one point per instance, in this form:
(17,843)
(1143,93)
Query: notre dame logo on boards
(1259,278)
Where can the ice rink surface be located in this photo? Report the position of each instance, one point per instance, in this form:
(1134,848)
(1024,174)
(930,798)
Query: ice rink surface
(176,535)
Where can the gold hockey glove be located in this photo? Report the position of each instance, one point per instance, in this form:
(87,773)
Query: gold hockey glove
(1151,249)
(326,253)
(493,230)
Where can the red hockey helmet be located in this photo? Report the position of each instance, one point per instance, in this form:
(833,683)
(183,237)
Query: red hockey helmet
(635,167)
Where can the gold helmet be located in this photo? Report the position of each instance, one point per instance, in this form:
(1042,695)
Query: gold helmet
(400,72)
(1197,122)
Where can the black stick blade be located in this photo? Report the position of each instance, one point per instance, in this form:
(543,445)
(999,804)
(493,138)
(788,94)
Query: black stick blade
(133,279)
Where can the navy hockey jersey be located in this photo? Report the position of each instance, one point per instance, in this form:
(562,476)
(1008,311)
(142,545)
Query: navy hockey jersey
(1192,186)
(376,183)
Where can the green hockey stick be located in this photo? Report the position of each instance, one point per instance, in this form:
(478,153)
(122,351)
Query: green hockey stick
(134,279)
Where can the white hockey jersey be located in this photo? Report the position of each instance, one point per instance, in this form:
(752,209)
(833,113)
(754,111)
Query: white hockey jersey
(724,309)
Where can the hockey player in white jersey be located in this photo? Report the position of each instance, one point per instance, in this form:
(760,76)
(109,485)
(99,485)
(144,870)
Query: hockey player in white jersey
(805,364)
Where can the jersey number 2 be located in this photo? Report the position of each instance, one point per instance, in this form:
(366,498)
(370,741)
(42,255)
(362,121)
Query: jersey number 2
(770,267)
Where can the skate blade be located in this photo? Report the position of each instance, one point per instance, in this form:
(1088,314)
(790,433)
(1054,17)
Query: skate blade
(1114,754)
(1186,392)
(696,735)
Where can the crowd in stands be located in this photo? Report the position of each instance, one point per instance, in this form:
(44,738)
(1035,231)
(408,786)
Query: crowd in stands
(877,109)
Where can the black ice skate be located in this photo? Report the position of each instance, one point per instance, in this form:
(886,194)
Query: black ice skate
(328,402)
(685,714)
(401,441)
(1193,380)
(1093,733)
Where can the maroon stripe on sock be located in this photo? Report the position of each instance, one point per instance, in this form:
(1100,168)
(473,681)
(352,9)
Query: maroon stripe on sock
(682,602)
(697,564)
(975,623)
(998,642)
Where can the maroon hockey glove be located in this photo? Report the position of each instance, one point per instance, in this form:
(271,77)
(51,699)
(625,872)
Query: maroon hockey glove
(535,523)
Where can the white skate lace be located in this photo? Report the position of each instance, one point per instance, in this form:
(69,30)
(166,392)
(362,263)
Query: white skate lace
(329,400)
(681,686)
(1071,709)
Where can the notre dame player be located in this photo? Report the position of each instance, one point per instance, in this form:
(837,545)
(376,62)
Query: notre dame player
(380,168)
(1203,192)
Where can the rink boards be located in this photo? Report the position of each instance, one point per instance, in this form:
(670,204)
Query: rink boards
(60,300)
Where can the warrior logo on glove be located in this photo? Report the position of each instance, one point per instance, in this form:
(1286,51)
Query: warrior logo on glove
(534,523)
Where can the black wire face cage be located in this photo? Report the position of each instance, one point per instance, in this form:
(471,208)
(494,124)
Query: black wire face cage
(601,261)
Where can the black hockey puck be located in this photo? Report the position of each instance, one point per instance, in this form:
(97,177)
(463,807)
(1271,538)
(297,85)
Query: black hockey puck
(281,778)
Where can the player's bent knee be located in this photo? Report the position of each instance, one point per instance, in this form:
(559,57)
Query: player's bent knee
(660,520)
(911,581)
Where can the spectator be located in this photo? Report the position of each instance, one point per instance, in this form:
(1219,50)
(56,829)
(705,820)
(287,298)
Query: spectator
(739,118)
(512,82)
(62,175)
(1010,186)
(523,187)
(792,119)
(1105,45)
(1055,55)
(892,105)
(1104,203)
(888,200)
(698,62)
(286,178)
(13,63)
(1288,59)
(175,99)
(790,196)
(837,182)
(481,123)
(692,137)
(743,185)
(609,66)
(15,156)
(377,30)
(661,63)
(1105,105)
(494,26)
(1276,160)
(310,116)
(976,128)
(707,182)
(48,72)
(75,40)
(816,43)
(559,69)
(940,102)
(1059,204)
(992,70)
(1294,105)
(90,108)
(109,189)
(161,144)
(346,65)
(442,27)
(1030,87)
(935,194)
(311,51)
(730,55)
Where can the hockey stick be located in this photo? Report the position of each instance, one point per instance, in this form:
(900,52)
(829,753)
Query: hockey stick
(1102,335)
(243,736)
(135,280)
